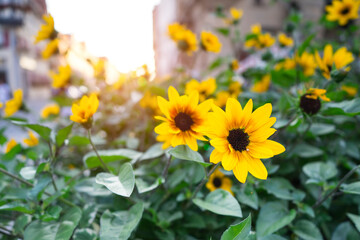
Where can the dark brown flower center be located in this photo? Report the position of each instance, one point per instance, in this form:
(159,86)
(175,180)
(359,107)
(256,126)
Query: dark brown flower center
(183,45)
(183,121)
(309,105)
(217,182)
(329,67)
(238,139)
(345,10)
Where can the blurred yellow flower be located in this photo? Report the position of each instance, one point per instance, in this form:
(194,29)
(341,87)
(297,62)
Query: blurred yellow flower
(221,98)
(236,14)
(32,140)
(262,85)
(342,11)
(50,49)
(10,145)
(260,41)
(99,68)
(307,63)
(14,104)
(174,30)
(85,109)
(185,39)
(350,90)
(150,101)
(285,41)
(50,109)
(240,138)
(234,64)
(183,118)
(287,64)
(47,30)
(315,93)
(235,89)
(256,29)
(1,104)
(218,180)
(210,42)
(121,80)
(204,88)
(340,59)
(61,78)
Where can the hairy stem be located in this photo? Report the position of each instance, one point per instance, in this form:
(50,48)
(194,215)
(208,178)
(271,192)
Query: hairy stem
(96,152)
(319,202)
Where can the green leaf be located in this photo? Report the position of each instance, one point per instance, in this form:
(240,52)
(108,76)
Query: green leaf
(154,151)
(119,225)
(216,63)
(307,151)
(43,131)
(307,230)
(17,207)
(88,216)
(52,213)
(272,217)
(79,141)
(305,44)
(63,134)
(21,222)
(223,31)
(282,188)
(355,219)
(319,129)
(123,184)
(248,196)
(239,231)
(41,183)
(319,171)
(283,78)
(85,234)
(61,230)
(28,172)
(220,202)
(183,152)
(348,108)
(143,186)
(92,161)
(345,231)
(352,188)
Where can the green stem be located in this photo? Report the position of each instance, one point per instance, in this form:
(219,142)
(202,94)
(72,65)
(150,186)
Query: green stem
(212,170)
(52,160)
(318,203)
(166,169)
(96,152)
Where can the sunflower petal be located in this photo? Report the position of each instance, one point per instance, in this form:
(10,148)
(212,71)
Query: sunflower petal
(241,170)
(216,156)
(275,147)
(229,161)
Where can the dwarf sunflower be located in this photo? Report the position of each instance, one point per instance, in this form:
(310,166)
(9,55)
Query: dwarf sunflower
(285,41)
(239,137)
(62,78)
(307,62)
(210,42)
(50,109)
(350,90)
(183,119)
(204,88)
(342,11)
(219,180)
(47,30)
(262,85)
(32,140)
(84,110)
(340,59)
(10,145)
(13,105)
(310,102)
(50,49)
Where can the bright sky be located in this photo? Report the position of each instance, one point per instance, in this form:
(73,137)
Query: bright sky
(120,30)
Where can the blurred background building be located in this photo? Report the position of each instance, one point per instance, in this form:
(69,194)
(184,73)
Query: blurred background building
(199,15)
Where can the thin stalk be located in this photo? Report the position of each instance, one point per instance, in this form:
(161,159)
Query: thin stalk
(318,203)
(166,169)
(201,184)
(96,152)
(32,185)
(52,160)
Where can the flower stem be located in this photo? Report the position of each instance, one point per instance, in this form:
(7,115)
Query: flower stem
(202,184)
(319,202)
(96,152)
(52,160)
(166,169)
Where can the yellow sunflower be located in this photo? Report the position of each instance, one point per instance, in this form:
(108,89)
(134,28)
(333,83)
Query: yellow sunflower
(174,30)
(183,119)
(219,180)
(287,64)
(262,85)
(13,105)
(350,90)
(221,98)
(47,30)
(210,42)
(10,145)
(61,78)
(340,59)
(32,140)
(84,110)
(234,65)
(50,49)
(50,109)
(342,11)
(310,102)
(239,137)
(307,62)
(285,41)
(204,88)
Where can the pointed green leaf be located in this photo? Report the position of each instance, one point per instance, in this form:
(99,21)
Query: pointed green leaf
(239,231)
